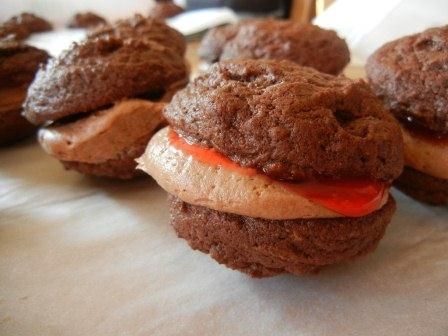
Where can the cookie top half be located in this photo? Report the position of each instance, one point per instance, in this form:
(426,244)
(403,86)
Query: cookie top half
(86,20)
(165,9)
(100,71)
(410,75)
(21,26)
(290,122)
(305,44)
(19,63)
(148,28)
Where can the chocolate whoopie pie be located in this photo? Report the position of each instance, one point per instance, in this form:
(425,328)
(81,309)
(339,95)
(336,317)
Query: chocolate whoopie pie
(164,9)
(86,20)
(22,26)
(101,101)
(409,75)
(273,167)
(146,28)
(302,43)
(18,65)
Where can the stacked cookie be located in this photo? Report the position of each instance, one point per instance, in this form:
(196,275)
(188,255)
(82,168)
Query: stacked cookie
(101,100)
(273,167)
(22,26)
(18,65)
(165,9)
(409,75)
(86,20)
(302,43)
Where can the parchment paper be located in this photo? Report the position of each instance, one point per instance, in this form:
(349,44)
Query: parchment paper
(83,256)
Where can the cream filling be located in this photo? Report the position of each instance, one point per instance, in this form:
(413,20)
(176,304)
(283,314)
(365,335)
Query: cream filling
(105,134)
(425,156)
(222,189)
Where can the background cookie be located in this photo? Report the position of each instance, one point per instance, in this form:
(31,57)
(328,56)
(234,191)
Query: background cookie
(304,44)
(165,9)
(423,187)
(144,28)
(101,100)
(409,75)
(18,66)
(86,20)
(21,26)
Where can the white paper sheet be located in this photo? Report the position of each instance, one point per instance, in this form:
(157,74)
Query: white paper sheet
(82,256)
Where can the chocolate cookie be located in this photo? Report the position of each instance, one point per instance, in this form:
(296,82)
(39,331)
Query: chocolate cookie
(14,127)
(18,65)
(261,247)
(145,28)
(165,9)
(409,75)
(304,44)
(100,71)
(86,20)
(273,167)
(21,26)
(290,122)
(423,187)
(101,100)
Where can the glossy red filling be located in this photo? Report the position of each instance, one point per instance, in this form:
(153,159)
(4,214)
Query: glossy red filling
(351,198)
(420,131)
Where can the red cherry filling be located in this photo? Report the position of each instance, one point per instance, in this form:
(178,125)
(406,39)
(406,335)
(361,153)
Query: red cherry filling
(351,198)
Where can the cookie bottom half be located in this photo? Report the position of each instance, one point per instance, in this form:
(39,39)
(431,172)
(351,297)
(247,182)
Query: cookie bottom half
(423,187)
(14,127)
(117,168)
(262,248)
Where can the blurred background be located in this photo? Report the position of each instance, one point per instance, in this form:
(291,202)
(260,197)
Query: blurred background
(365,24)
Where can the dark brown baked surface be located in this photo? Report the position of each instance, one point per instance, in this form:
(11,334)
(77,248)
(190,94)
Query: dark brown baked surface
(145,28)
(18,66)
(165,9)
(14,127)
(290,122)
(214,41)
(19,63)
(123,169)
(302,43)
(422,187)
(86,20)
(21,26)
(101,71)
(261,247)
(409,75)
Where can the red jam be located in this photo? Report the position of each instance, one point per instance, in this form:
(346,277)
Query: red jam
(418,130)
(351,198)
(208,155)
